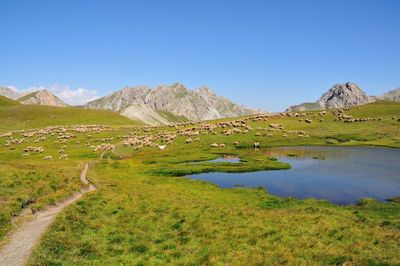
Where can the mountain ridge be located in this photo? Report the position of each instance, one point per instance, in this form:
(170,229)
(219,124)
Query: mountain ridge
(9,93)
(392,95)
(42,97)
(196,105)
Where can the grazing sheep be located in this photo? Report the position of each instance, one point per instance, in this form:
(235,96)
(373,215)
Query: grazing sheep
(162,147)
(308,121)
(64,157)
(256,145)
(189,140)
(34,149)
(47,158)
(214,145)
(222,145)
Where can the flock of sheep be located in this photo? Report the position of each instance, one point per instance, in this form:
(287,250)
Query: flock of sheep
(150,136)
(62,135)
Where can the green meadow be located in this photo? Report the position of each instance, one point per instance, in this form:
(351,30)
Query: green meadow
(145,212)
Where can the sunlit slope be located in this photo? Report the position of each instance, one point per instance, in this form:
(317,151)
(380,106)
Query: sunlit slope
(5,102)
(36,116)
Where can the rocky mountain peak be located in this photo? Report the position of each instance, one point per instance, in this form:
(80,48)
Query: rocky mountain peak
(42,97)
(344,95)
(199,104)
(174,88)
(205,91)
(339,96)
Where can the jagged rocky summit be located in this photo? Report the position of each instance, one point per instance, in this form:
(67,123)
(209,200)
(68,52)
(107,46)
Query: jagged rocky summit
(339,96)
(167,103)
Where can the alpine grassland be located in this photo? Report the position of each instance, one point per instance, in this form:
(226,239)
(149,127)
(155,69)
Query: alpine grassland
(146,212)
(38,116)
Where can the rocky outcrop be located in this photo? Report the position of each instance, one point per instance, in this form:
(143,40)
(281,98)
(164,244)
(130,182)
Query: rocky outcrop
(344,95)
(339,96)
(9,93)
(195,105)
(120,99)
(42,97)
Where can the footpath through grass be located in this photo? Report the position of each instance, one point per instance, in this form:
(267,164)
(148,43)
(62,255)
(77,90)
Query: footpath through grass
(33,185)
(139,219)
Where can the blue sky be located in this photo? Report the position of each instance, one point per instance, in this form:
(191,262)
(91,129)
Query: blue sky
(267,54)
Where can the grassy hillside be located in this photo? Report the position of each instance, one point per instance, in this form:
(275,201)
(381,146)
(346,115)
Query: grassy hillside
(143,213)
(171,117)
(37,116)
(32,184)
(140,219)
(5,102)
(27,96)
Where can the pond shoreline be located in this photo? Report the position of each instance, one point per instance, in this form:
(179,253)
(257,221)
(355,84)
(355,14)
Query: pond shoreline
(340,174)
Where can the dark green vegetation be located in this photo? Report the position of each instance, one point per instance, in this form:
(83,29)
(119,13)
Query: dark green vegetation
(144,214)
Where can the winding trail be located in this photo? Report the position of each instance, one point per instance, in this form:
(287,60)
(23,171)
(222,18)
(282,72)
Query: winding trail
(23,240)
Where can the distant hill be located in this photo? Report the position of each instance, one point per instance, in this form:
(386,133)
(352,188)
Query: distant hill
(9,93)
(169,102)
(339,96)
(38,116)
(42,97)
(393,95)
(5,102)
(305,107)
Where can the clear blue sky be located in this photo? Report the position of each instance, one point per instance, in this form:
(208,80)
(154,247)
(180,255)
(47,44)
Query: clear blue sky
(267,54)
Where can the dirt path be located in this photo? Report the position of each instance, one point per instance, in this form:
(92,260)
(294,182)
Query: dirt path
(23,240)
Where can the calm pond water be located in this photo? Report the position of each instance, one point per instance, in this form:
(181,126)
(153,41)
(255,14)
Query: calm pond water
(228,159)
(342,175)
(225,160)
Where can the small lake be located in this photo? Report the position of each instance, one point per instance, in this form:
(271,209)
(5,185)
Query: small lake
(342,175)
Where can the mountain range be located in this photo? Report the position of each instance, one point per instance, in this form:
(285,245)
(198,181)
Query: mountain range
(167,104)
(154,106)
(164,104)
